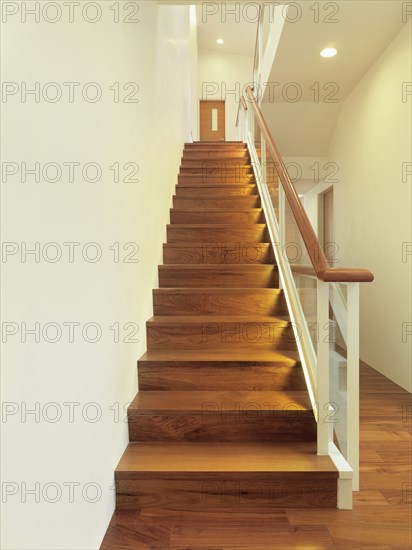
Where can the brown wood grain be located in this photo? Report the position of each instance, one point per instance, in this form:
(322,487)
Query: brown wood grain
(230,275)
(231,375)
(234,154)
(380,519)
(217,164)
(233,217)
(215,301)
(218,253)
(204,187)
(221,202)
(206,132)
(222,399)
(217,233)
(219,459)
(219,332)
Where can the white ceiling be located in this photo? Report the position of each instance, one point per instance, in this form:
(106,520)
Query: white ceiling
(364,28)
(238,30)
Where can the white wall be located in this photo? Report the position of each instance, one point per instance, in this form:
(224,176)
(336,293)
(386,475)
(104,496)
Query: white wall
(223,77)
(194,73)
(154,53)
(373,205)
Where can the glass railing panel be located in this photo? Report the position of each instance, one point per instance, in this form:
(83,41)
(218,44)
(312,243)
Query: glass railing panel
(307,291)
(294,251)
(272,180)
(258,141)
(336,335)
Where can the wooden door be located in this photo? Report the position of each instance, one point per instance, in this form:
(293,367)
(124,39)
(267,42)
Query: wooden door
(212,121)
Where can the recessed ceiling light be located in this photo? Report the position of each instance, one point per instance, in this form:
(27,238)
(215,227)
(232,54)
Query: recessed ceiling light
(300,196)
(328,52)
(219,40)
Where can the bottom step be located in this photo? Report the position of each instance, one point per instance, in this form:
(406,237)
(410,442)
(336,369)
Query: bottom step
(225,476)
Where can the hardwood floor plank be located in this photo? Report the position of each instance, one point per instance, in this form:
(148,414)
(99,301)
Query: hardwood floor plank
(243,495)
(253,535)
(136,535)
(382,533)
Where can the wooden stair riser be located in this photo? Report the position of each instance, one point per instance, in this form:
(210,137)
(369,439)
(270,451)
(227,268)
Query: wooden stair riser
(215,161)
(254,233)
(225,203)
(227,493)
(215,190)
(225,276)
(238,174)
(214,146)
(191,154)
(219,375)
(227,145)
(218,253)
(216,179)
(232,217)
(222,421)
(211,301)
(235,168)
(220,335)
(249,423)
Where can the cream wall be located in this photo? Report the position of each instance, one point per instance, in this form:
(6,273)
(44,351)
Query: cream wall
(194,72)
(372,212)
(69,461)
(222,77)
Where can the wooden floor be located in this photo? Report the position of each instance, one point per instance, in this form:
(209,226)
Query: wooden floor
(381,517)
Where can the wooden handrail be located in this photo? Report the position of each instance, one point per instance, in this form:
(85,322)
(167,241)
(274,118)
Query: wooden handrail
(333,275)
(257,41)
(323,270)
(242,103)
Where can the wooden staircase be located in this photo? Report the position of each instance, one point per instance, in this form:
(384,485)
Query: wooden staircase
(222,419)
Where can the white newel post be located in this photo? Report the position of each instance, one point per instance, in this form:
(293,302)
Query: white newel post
(353,381)
(322,398)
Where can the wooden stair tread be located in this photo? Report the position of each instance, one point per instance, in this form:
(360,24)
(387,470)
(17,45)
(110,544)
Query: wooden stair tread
(209,267)
(192,182)
(196,275)
(219,159)
(211,402)
(209,156)
(229,319)
(218,185)
(211,147)
(226,143)
(238,198)
(193,189)
(222,394)
(185,245)
(214,226)
(246,355)
(267,292)
(209,457)
(216,166)
(220,210)
(222,199)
